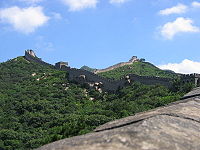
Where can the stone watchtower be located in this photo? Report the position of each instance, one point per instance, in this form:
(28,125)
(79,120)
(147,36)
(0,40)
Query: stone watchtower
(31,52)
(134,59)
(61,64)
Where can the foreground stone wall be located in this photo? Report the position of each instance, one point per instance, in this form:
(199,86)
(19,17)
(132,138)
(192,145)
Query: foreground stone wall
(173,127)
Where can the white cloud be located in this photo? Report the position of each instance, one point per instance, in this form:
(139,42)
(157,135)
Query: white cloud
(180,25)
(25,20)
(31,1)
(77,5)
(179,9)
(118,1)
(186,67)
(196,4)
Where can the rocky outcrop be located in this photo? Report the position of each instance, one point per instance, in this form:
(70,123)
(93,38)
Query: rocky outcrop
(173,127)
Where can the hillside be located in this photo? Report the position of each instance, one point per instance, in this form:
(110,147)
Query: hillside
(88,68)
(38,105)
(173,127)
(139,68)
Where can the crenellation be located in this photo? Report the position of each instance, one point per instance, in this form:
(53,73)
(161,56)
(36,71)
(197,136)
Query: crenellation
(191,78)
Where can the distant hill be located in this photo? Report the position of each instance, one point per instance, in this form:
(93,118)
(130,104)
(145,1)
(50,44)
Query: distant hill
(139,68)
(88,68)
(38,105)
(169,71)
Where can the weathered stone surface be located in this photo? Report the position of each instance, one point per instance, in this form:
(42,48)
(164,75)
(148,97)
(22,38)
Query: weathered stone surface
(174,127)
(194,92)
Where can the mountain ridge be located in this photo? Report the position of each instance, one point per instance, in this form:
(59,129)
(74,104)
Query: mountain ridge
(39,105)
(92,80)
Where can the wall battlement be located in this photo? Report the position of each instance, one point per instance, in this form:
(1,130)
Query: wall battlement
(191,78)
(92,80)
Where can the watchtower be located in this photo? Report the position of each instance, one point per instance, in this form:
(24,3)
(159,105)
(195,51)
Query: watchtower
(31,52)
(133,59)
(61,64)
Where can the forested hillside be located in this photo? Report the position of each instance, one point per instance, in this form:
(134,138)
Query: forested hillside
(38,105)
(88,68)
(139,68)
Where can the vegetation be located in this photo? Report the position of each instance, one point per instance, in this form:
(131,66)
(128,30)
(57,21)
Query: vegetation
(38,105)
(139,68)
(88,68)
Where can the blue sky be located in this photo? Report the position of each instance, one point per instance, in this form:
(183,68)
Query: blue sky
(100,33)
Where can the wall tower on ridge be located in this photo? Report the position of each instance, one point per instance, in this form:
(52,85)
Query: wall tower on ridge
(61,64)
(31,52)
(134,59)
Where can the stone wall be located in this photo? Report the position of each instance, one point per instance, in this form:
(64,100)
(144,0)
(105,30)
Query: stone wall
(150,80)
(95,81)
(191,78)
(76,75)
(132,60)
(86,77)
(36,59)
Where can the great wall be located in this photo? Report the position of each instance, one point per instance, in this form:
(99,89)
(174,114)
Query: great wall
(132,60)
(93,80)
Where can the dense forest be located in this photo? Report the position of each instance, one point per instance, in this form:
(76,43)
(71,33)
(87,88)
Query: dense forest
(38,105)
